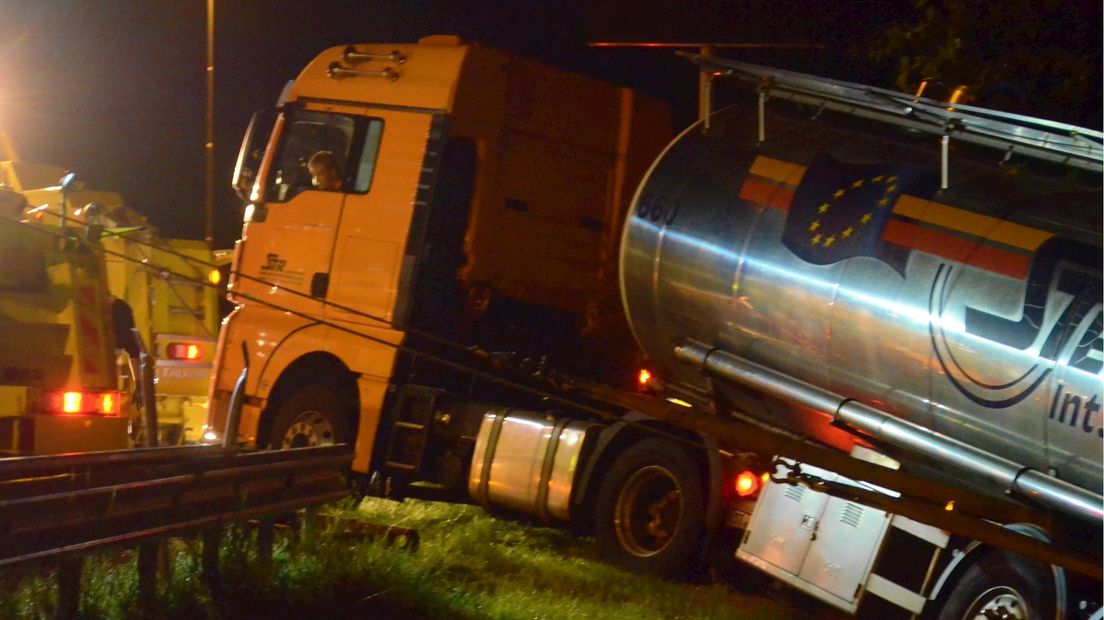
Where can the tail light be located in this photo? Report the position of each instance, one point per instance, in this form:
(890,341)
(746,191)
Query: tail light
(81,403)
(71,402)
(646,381)
(187,351)
(746,483)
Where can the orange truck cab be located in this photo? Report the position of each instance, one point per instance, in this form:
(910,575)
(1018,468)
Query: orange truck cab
(478,204)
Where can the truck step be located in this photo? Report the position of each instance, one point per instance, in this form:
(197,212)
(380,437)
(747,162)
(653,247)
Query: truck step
(410,429)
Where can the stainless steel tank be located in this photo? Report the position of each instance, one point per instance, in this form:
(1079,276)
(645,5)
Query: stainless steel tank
(829,252)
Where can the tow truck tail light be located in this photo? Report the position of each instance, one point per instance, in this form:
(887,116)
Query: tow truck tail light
(188,351)
(81,403)
(71,402)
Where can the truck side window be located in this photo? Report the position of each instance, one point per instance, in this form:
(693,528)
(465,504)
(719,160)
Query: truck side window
(367,157)
(307,133)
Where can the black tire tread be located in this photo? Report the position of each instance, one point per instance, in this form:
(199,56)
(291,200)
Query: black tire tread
(675,561)
(320,397)
(1032,580)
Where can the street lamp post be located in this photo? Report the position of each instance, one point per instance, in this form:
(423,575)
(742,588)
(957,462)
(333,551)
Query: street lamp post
(209,143)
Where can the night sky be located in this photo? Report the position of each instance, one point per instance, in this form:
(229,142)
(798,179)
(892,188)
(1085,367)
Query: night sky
(115,89)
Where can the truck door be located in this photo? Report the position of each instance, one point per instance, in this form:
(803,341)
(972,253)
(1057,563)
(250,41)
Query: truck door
(370,258)
(288,238)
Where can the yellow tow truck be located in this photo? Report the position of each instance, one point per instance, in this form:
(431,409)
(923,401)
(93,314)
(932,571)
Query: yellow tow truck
(163,281)
(58,382)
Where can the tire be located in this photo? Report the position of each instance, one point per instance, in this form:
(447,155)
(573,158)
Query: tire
(1002,585)
(649,513)
(312,416)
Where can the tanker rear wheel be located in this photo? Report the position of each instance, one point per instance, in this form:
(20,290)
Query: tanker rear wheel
(311,416)
(1001,585)
(649,515)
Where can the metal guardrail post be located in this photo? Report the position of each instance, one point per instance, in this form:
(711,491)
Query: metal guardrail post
(310,523)
(149,399)
(209,560)
(69,581)
(265,538)
(237,400)
(147,575)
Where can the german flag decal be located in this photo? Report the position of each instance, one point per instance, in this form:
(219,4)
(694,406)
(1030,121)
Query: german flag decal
(771,183)
(963,236)
(837,210)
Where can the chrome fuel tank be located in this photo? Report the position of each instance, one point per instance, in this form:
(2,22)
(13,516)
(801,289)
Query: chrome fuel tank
(829,252)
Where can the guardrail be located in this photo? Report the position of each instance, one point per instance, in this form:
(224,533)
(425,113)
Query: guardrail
(56,509)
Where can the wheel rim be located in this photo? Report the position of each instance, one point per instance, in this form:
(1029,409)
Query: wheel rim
(308,429)
(648,511)
(998,603)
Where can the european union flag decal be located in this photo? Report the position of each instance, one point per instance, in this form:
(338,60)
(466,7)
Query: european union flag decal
(840,210)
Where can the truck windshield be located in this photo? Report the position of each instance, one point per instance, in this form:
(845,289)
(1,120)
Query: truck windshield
(325,152)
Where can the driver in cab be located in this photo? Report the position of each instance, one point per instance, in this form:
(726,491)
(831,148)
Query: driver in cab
(324,172)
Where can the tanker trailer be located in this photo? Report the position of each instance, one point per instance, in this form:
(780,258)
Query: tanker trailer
(915,284)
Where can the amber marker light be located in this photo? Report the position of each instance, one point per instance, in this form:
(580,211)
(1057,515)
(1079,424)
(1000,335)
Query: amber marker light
(747,483)
(214,277)
(184,351)
(108,403)
(950,506)
(644,377)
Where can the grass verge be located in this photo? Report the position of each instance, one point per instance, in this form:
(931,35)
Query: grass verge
(469,565)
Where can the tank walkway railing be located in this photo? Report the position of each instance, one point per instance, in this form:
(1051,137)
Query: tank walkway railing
(1014,134)
(55,510)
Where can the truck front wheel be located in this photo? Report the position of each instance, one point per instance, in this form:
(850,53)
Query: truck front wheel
(649,515)
(1002,585)
(311,416)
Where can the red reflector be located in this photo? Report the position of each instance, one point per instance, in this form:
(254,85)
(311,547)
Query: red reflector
(183,351)
(747,483)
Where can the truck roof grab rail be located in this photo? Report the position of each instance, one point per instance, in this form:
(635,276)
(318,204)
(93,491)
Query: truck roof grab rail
(1015,134)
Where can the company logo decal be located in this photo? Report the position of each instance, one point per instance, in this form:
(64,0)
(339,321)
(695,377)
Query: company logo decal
(1060,267)
(882,212)
(274,268)
(273,262)
(836,210)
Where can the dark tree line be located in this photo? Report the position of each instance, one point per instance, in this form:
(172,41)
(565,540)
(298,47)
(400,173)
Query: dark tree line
(1038,57)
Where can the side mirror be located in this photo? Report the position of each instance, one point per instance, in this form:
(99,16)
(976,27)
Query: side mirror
(252,152)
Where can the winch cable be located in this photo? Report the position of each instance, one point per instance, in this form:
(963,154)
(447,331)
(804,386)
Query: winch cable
(923,508)
(274,286)
(480,354)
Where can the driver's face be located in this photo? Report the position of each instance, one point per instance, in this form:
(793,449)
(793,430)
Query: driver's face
(324,177)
